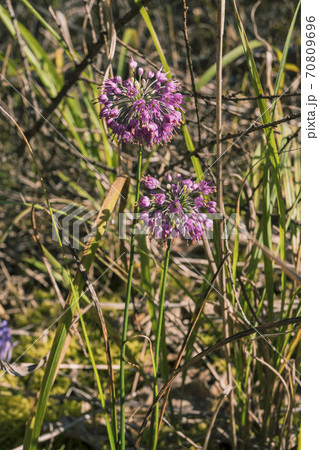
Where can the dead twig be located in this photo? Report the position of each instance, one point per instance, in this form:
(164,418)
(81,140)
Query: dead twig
(212,423)
(250,129)
(191,70)
(234,98)
(220,205)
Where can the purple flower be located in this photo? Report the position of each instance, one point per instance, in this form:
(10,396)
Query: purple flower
(5,341)
(188,182)
(199,201)
(144,216)
(176,209)
(148,110)
(150,182)
(132,63)
(144,202)
(205,187)
(103,99)
(212,207)
(160,76)
(208,223)
(159,198)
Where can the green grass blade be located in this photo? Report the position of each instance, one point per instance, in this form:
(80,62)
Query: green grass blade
(284,58)
(227,59)
(146,278)
(36,55)
(191,148)
(129,36)
(47,26)
(267,239)
(153,34)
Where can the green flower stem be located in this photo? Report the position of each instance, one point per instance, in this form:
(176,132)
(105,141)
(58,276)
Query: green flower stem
(127,301)
(112,438)
(159,337)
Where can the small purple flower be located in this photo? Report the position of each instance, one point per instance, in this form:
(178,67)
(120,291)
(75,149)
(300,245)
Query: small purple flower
(103,99)
(158,232)
(148,110)
(159,198)
(205,187)
(151,183)
(144,216)
(5,341)
(212,207)
(160,76)
(150,74)
(188,182)
(144,202)
(132,63)
(177,209)
(209,223)
(199,201)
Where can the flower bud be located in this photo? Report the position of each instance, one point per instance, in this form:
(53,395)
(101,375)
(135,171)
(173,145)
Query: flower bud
(150,75)
(103,98)
(144,202)
(132,63)
(169,177)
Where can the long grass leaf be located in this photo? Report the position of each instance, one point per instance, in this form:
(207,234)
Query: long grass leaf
(47,26)
(35,422)
(283,60)
(227,59)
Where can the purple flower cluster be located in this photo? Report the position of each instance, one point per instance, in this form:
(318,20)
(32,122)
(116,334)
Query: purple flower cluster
(5,341)
(142,109)
(176,209)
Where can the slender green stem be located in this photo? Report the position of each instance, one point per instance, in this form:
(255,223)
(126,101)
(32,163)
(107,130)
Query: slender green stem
(159,337)
(127,301)
(112,437)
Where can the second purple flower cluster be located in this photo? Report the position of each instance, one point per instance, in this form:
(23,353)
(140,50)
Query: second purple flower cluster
(176,209)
